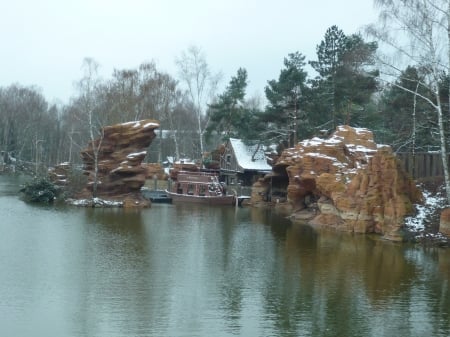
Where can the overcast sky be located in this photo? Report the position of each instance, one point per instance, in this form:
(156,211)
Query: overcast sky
(45,41)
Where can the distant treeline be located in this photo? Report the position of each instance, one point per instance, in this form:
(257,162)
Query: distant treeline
(346,90)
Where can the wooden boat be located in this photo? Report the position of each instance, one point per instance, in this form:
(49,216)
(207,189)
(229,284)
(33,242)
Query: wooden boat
(199,187)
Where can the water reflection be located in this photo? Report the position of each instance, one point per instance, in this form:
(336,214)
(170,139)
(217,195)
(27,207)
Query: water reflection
(208,271)
(328,277)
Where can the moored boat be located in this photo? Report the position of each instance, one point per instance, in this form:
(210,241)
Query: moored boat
(199,187)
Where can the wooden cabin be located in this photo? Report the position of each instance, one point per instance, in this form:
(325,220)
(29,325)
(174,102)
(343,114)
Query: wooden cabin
(243,164)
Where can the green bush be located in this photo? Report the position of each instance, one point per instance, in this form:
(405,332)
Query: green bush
(40,190)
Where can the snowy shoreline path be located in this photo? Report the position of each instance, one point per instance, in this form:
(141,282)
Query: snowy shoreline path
(424,225)
(432,204)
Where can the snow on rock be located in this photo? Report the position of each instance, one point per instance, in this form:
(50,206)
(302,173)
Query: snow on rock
(151,124)
(137,154)
(59,174)
(122,150)
(444,221)
(349,182)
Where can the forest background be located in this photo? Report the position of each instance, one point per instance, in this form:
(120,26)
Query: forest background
(395,85)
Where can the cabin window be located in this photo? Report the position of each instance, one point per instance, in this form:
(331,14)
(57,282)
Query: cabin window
(179,189)
(190,189)
(228,159)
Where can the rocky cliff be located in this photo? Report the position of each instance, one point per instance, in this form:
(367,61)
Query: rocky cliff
(121,150)
(444,224)
(349,182)
(59,174)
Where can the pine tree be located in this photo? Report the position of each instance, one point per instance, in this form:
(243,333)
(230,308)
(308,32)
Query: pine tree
(226,115)
(346,79)
(285,96)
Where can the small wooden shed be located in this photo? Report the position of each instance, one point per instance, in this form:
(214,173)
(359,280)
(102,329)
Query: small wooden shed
(243,164)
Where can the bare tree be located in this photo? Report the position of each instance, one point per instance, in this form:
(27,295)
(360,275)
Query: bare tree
(164,96)
(422,36)
(24,119)
(87,86)
(125,85)
(201,84)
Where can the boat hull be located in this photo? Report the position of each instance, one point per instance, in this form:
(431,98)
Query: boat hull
(156,196)
(205,200)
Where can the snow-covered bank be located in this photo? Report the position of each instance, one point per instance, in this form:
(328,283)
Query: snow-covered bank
(95,202)
(424,225)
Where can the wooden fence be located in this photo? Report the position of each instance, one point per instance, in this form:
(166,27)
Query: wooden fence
(423,164)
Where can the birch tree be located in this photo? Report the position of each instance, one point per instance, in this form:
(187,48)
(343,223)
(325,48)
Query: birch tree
(86,102)
(201,85)
(408,123)
(418,33)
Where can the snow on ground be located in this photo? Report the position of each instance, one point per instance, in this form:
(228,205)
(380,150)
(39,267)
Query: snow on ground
(432,204)
(95,202)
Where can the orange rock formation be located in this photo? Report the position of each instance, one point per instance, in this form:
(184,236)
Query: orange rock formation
(349,182)
(444,225)
(122,149)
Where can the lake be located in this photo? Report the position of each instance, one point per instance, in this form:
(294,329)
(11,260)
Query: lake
(207,271)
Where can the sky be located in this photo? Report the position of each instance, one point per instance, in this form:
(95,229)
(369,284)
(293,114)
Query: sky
(44,42)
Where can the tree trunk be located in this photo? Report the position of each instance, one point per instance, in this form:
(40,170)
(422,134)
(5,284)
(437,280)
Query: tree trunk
(95,150)
(414,130)
(441,126)
(442,139)
(200,130)
(256,151)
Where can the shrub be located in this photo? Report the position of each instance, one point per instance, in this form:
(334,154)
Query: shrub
(40,190)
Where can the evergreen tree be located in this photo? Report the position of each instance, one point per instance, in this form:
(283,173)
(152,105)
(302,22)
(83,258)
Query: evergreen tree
(356,78)
(227,114)
(346,79)
(284,114)
(329,60)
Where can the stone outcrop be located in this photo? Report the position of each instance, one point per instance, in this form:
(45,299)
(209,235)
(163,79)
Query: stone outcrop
(349,182)
(444,224)
(59,175)
(122,148)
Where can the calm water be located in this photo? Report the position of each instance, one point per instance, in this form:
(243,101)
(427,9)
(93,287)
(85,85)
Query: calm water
(199,271)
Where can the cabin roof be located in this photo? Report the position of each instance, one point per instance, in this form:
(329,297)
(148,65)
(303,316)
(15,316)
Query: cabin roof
(244,155)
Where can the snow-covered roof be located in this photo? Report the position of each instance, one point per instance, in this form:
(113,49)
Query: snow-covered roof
(244,155)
